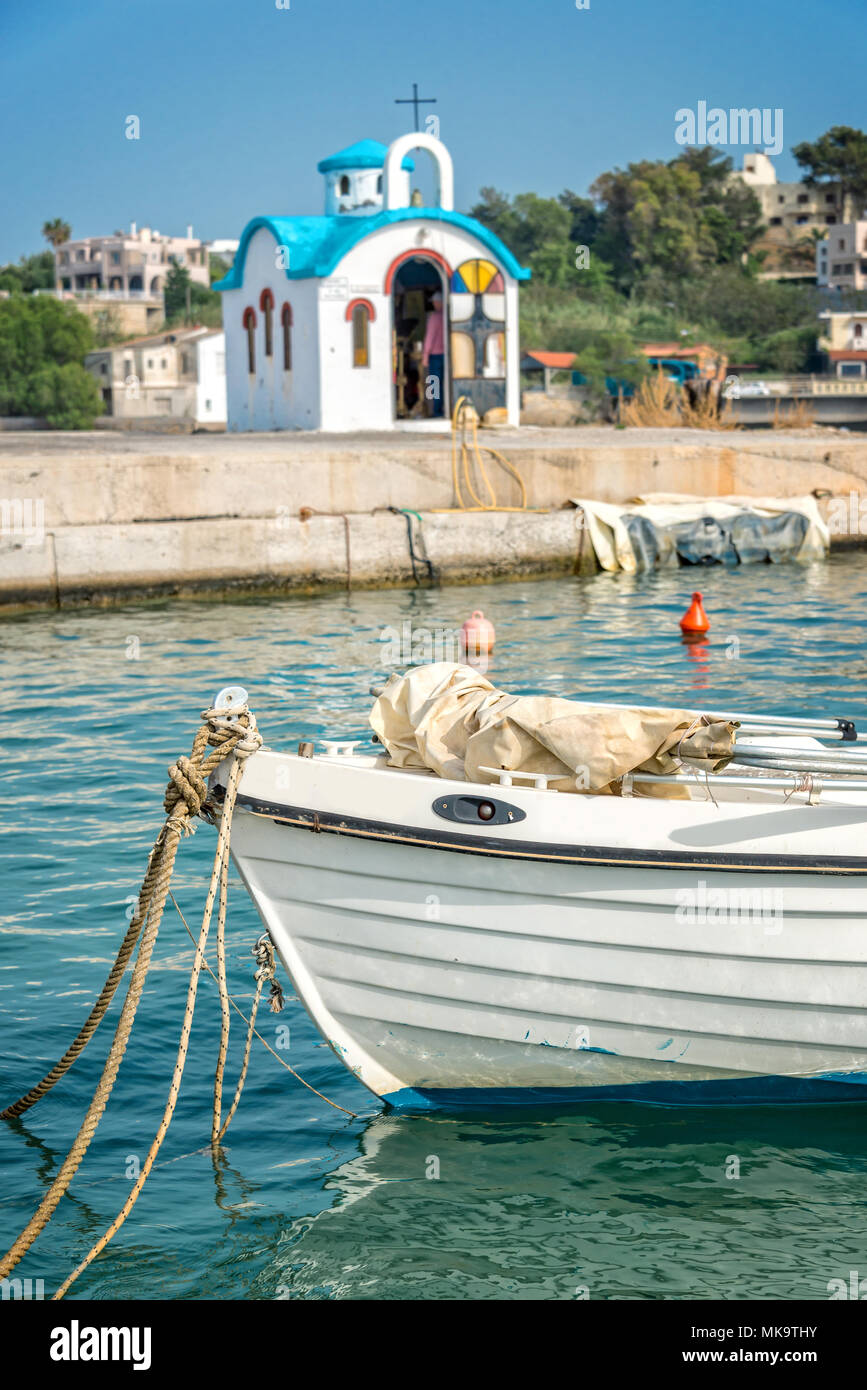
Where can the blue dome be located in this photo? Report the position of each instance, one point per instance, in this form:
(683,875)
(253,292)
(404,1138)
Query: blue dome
(366,154)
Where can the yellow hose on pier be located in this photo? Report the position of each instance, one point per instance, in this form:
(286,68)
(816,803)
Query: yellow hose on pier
(459,422)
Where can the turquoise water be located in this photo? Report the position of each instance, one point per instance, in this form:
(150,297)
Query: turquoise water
(620,1201)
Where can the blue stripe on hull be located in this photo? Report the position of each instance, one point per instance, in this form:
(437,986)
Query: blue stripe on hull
(832,1087)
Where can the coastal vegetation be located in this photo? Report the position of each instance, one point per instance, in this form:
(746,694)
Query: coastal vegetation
(42,346)
(185,301)
(665,251)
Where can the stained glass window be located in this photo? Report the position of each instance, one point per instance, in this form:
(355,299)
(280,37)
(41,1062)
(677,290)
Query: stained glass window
(477,277)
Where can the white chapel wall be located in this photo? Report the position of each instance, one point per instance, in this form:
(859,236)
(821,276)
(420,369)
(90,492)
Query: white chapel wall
(271,399)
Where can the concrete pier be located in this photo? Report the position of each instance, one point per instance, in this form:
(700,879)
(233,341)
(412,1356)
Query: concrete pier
(96,518)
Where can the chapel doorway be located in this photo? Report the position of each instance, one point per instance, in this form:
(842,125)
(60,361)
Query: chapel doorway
(420,341)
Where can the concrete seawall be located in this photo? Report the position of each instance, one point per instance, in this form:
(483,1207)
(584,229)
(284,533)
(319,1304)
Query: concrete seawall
(111,518)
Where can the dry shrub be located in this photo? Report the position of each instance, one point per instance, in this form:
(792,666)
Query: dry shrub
(655,403)
(706,415)
(659,402)
(795,415)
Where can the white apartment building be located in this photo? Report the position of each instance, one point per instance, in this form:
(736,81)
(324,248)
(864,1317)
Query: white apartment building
(789,205)
(128,263)
(841,258)
(224,246)
(794,214)
(180,374)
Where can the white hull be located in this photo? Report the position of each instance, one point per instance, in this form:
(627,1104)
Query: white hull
(586,947)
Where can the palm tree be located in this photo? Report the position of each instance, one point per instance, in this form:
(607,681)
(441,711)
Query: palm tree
(56,231)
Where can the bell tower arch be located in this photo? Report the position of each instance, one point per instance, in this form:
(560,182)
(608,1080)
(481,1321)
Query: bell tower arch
(395,189)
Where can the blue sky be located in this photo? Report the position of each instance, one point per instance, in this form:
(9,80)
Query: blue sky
(239,99)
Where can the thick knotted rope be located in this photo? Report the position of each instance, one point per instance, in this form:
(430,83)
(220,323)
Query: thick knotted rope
(230,733)
(186,789)
(185,784)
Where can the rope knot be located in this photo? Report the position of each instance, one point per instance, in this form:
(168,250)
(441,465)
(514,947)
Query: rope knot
(185,784)
(267,970)
(233,730)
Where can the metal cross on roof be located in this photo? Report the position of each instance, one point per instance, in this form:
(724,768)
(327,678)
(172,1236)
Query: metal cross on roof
(415,101)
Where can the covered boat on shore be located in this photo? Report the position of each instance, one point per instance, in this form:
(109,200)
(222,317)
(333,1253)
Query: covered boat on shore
(519,899)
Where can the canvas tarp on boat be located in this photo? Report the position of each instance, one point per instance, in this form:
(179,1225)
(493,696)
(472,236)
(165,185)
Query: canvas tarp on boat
(449,719)
(670,528)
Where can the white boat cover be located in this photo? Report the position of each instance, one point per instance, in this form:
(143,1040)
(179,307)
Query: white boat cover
(449,719)
(616,539)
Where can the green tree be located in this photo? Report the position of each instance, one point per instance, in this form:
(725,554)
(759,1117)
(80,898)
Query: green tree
(495,212)
(206,305)
(730,208)
(674,219)
(536,230)
(42,346)
(31,273)
(56,231)
(788,351)
(66,397)
(583,215)
(727,302)
(218,267)
(840,155)
(538,221)
(551,263)
(177,284)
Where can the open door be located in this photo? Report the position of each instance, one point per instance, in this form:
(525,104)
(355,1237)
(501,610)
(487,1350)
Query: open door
(420,386)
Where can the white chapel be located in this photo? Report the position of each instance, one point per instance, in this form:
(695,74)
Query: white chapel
(378,315)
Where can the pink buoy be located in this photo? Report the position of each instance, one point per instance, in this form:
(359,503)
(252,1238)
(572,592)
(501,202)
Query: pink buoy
(477,634)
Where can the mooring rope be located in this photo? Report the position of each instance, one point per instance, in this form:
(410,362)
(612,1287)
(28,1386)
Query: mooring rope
(264,1041)
(215,886)
(231,732)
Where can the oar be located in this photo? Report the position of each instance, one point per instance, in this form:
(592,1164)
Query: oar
(776,724)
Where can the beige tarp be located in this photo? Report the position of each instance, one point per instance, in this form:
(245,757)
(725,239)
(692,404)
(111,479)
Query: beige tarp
(613,546)
(448,718)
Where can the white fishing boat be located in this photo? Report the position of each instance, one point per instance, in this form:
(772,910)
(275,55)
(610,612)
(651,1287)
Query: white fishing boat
(508,937)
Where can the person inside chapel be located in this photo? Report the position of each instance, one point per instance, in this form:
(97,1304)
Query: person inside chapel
(433,354)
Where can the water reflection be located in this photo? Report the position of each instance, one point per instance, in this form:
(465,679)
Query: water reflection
(618,1201)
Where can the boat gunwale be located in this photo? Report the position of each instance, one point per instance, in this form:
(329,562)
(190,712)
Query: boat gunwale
(327,822)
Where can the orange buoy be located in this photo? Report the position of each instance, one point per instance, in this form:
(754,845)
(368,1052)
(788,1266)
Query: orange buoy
(695,619)
(477,634)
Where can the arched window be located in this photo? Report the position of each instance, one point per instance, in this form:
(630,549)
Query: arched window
(286,321)
(249,322)
(344,185)
(379,184)
(859,330)
(360,336)
(361,313)
(266,304)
